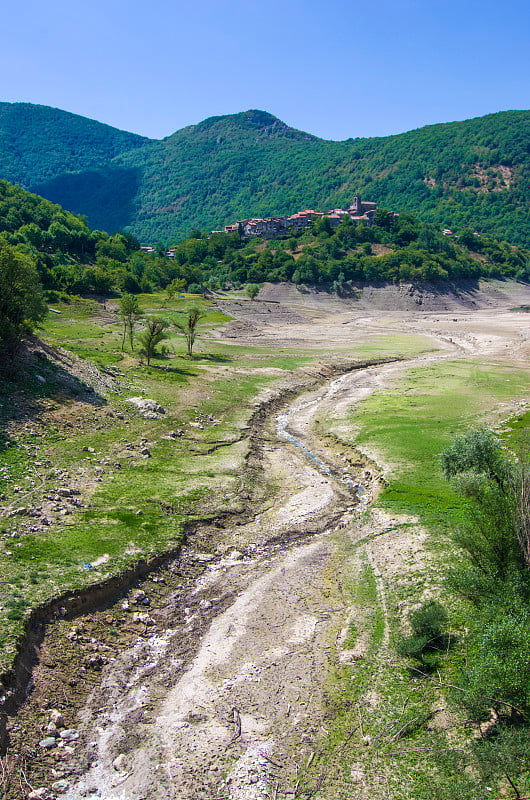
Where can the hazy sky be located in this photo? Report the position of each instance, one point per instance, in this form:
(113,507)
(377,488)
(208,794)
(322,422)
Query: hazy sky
(336,69)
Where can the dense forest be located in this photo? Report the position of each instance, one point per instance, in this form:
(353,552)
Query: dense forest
(474,173)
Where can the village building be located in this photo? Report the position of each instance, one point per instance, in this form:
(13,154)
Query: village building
(270,227)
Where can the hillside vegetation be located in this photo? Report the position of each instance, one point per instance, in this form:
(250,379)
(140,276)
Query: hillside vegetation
(65,255)
(38,142)
(472,173)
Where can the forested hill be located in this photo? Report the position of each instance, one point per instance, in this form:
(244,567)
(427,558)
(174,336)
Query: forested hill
(474,174)
(38,143)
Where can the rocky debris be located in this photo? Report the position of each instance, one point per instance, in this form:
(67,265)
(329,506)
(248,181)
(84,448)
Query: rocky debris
(173,435)
(48,743)
(120,762)
(143,618)
(60,786)
(41,794)
(203,419)
(69,735)
(250,778)
(96,663)
(148,408)
(76,632)
(139,598)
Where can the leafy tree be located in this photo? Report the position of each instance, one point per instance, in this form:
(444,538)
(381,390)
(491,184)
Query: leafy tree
(252,289)
(129,313)
(177,285)
(154,333)
(493,573)
(22,304)
(188,326)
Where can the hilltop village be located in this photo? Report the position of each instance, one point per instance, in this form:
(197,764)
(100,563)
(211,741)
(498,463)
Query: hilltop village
(359,210)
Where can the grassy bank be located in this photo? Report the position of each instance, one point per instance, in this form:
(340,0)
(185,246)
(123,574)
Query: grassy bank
(135,481)
(390,732)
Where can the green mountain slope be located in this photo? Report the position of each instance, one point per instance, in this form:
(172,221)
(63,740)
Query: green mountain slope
(38,143)
(474,173)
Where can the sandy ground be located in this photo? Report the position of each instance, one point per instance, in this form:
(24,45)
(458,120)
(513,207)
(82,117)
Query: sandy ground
(225,698)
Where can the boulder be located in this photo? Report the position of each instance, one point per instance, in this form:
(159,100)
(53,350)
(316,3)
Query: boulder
(148,408)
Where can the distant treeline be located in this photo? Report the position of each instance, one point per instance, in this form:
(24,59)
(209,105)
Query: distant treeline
(70,257)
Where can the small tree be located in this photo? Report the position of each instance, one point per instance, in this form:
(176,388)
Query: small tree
(155,332)
(493,573)
(188,326)
(252,290)
(129,313)
(22,305)
(428,624)
(177,285)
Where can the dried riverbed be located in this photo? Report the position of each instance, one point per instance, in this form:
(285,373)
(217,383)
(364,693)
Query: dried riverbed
(222,694)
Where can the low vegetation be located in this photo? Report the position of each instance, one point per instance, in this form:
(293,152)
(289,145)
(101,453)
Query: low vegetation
(443,712)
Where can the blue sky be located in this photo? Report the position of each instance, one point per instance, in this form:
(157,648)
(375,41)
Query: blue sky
(335,69)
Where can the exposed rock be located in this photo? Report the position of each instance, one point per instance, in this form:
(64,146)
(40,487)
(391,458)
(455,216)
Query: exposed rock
(69,735)
(119,762)
(47,743)
(143,618)
(57,718)
(148,408)
(61,786)
(139,597)
(41,794)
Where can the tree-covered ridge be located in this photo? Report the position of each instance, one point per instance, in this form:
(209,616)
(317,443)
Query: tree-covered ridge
(45,248)
(67,254)
(395,248)
(474,173)
(38,143)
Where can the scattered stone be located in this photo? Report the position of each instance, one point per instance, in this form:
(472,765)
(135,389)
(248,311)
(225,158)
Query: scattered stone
(119,762)
(174,435)
(61,786)
(139,597)
(41,794)
(17,512)
(63,492)
(144,618)
(69,735)
(47,743)
(148,408)
(204,605)
(88,450)
(57,718)
(96,663)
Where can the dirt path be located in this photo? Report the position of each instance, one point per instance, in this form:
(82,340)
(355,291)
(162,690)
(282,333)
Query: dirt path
(224,700)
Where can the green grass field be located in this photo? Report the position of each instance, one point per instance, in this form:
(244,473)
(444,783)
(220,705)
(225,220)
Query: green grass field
(137,507)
